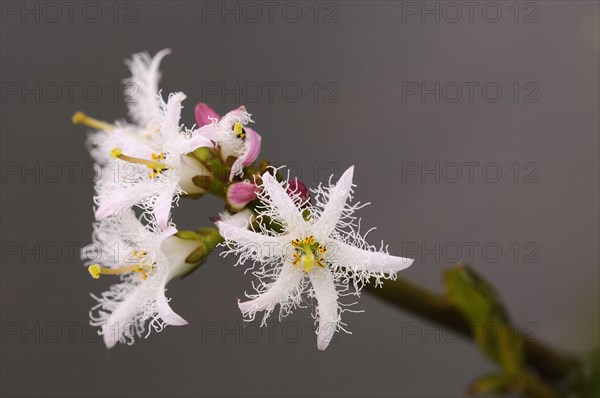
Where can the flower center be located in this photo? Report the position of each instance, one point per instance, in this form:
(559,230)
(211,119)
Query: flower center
(239,131)
(155,164)
(308,253)
(142,267)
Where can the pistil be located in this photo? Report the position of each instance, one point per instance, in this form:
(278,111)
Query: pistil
(82,118)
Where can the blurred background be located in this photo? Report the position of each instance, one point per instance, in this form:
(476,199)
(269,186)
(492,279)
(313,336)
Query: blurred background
(474,130)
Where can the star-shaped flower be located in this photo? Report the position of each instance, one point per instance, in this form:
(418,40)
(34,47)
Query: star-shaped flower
(146,259)
(145,163)
(319,251)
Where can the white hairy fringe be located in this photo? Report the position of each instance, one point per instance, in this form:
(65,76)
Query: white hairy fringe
(145,76)
(114,239)
(347,230)
(267,267)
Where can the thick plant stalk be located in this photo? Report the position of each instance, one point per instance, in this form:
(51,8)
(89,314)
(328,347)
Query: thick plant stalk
(419,301)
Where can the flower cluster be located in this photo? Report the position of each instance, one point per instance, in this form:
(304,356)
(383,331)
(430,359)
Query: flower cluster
(304,246)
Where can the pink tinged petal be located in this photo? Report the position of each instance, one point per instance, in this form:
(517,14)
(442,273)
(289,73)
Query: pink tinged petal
(235,115)
(287,210)
(205,114)
(263,246)
(373,261)
(162,206)
(252,143)
(166,313)
(328,313)
(334,208)
(240,194)
(286,282)
(251,152)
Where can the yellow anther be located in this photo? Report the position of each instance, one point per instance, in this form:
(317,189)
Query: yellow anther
(321,263)
(157,167)
(82,118)
(309,240)
(158,156)
(238,128)
(116,152)
(322,249)
(95,270)
(296,242)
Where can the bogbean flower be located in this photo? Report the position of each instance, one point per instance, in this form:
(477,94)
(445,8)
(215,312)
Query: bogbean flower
(145,258)
(319,251)
(145,163)
(239,145)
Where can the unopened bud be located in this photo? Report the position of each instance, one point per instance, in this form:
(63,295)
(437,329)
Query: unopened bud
(239,194)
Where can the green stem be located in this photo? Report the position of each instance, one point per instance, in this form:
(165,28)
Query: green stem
(419,301)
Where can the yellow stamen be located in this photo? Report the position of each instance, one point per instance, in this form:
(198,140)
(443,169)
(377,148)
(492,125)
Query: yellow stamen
(82,118)
(322,249)
(96,270)
(158,156)
(156,167)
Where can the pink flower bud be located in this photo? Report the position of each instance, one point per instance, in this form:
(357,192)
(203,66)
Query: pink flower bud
(296,188)
(240,194)
(204,114)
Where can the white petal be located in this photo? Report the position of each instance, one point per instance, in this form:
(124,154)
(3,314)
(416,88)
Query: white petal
(363,260)
(172,113)
(162,205)
(145,76)
(166,313)
(209,131)
(122,318)
(176,250)
(327,305)
(337,201)
(287,281)
(285,207)
(263,245)
(195,142)
(189,168)
(113,199)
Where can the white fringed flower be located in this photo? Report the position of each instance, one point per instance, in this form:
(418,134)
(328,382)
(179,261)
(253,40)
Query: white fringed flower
(232,134)
(146,259)
(144,163)
(319,251)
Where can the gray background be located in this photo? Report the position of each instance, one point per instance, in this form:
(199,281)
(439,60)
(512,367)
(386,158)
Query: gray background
(369,53)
